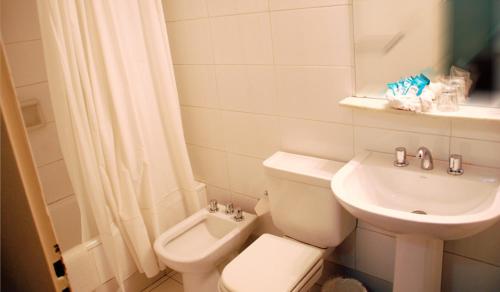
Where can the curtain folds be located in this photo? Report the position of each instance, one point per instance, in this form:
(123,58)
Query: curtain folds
(118,118)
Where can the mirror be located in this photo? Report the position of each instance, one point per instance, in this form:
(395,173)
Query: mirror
(394,39)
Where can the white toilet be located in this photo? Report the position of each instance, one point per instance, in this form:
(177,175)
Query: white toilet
(197,245)
(303,207)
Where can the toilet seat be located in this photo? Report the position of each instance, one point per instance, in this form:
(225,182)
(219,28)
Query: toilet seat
(273,264)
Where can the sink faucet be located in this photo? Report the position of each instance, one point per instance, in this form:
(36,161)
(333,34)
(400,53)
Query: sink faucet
(425,156)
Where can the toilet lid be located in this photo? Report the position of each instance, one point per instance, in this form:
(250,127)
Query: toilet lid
(270,263)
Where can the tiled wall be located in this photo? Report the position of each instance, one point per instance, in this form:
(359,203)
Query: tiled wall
(21,36)
(257,76)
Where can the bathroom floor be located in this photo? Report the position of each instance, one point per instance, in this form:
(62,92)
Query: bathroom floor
(172,282)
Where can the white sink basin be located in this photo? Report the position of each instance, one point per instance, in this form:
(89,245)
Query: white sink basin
(374,190)
(371,188)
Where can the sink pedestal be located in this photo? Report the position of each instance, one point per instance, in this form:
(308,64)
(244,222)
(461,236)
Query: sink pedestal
(418,264)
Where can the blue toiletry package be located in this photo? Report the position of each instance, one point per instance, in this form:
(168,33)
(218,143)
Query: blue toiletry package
(413,85)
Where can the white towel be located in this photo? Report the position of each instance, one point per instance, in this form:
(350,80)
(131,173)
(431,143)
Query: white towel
(421,103)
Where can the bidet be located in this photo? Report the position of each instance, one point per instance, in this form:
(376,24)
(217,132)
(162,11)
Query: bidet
(198,244)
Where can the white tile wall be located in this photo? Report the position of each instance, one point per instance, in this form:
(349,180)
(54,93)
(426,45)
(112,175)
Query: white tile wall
(16,12)
(55,181)
(463,274)
(375,253)
(383,140)
(196,85)
(251,134)
(327,140)
(481,130)
(247,88)
(187,9)
(314,92)
(278,70)
(26,62)
(190,42)
(480,152)
(246,203)
(45,144)
(345,253)
(65,216)
(21,35)
(242,39)
(203,126)
(225,7)
(40,92)
(293,4)
(482,246)
(223,196)
(246,175)
(400,122)
(316,36)
(209,166)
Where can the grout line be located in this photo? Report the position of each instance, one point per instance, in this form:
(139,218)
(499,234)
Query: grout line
(401,131)
(379,230)
(226,151)
(32,84)
(333,66)
(212,48)
(476,139)
(22,41)
(323,121)
(49,163)
(450,137)
(472,259)
(276,115)
(156,284)
(269,10)
(175,280)
(66,197)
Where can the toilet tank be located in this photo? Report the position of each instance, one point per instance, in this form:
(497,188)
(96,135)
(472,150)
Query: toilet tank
(302,205)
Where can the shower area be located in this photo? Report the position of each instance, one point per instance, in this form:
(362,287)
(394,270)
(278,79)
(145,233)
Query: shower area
(38,74)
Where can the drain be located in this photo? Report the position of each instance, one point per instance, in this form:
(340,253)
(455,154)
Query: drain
(419,212)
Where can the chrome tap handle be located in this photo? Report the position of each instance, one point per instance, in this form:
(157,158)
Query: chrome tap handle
(213,206)
(455,165)
(229,208)
(400,157)
(239,215)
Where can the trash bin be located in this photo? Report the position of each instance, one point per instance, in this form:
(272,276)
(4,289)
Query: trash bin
(340,284)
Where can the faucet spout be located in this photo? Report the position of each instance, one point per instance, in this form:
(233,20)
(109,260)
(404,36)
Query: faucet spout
(425,157)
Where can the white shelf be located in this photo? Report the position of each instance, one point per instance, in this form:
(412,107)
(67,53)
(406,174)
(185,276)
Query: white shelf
(465,111)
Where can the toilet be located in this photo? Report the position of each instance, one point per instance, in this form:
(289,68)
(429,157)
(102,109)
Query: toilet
(199,244)
(305,210)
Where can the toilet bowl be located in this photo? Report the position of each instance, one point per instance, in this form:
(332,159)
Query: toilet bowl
(304,209)
(273,264)
(196,246)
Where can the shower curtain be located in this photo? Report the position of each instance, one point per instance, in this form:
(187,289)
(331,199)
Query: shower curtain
(118,118)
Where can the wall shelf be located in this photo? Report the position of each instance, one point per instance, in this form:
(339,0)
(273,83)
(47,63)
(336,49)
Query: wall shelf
(465,111)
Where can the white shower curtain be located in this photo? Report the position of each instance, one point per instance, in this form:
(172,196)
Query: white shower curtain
(117,114)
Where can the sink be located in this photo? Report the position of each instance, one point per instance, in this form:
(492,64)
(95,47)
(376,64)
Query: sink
(422,207)
(374,190)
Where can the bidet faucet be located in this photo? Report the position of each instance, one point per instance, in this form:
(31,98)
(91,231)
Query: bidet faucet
(229,208)
(239,215)
(425,156)
(213,206)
